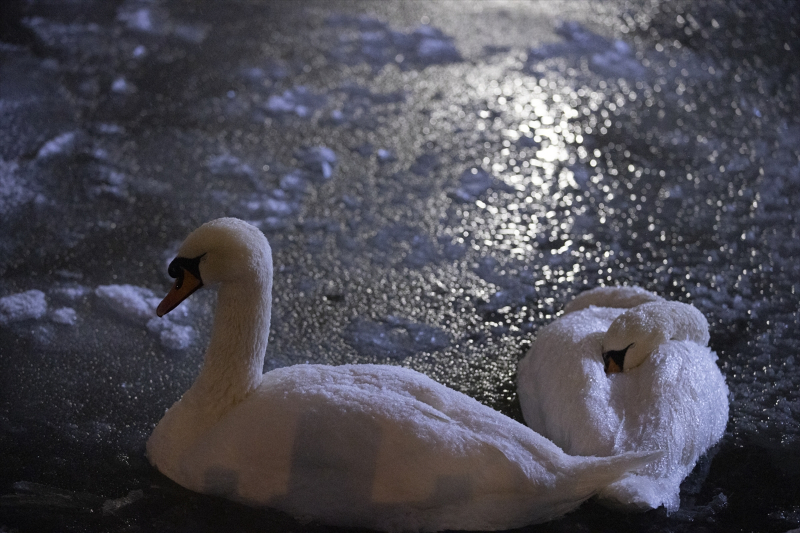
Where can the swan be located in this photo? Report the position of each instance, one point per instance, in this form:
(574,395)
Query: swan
(372,446)
(626,370)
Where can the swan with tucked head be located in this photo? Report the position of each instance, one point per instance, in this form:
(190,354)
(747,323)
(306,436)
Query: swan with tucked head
(638,332)
(355,445)
(625,370)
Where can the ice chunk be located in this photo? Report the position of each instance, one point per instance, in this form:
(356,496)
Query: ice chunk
(112,506)
(141,19)
(71,293)
(475,182)
(60,144)
(129,301)
(228,164)
(394,337)
(22,306)
(13,190)
(298,100)
(65,315)
(437,50)
(177,337)
(320,160)
(122,86)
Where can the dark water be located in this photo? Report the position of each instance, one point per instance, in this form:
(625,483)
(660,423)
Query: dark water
(436,180)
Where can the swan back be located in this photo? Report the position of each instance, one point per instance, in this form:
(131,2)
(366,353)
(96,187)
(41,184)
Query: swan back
(638,332)
(618,297)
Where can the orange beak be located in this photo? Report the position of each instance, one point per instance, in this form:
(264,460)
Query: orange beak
(184,286)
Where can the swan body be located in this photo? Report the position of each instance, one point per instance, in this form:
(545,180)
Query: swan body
(670,395)
(355,445)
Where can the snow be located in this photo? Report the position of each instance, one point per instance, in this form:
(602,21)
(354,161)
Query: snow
(22,306)
(65,315)
(58,145)
(395,337)
(137,305)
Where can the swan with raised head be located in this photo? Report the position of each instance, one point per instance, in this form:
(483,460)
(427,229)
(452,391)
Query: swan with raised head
(625,370)
(356,445)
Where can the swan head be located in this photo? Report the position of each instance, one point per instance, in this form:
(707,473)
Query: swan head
(220,251)
(639,331)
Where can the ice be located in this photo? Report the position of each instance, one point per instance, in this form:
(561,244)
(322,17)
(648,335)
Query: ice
(612,58)
(223,164)
(378,44)
(394,337)
(115,505)
(137,305)
(474,183)
(140,19)
(293,181)
(13,190)
(385,155)
(62,144)
(172,336)
(319,160)
(193,33)
(299,100)
(70,293)
(122,86)
(134,303)
(437,50)
(22,306)
(65,315)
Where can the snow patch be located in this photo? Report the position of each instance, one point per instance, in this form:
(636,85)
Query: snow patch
(22,306)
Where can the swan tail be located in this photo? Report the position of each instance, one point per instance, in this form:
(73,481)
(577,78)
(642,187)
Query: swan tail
(594,474)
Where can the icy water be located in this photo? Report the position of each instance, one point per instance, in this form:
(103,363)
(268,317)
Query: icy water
(436,181)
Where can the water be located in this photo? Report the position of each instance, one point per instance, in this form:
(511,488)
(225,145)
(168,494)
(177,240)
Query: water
(436,180)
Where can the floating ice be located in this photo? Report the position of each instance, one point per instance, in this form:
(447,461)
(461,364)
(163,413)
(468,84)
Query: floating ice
(676,400)
(228,164)
(138,304)
(13,189)
(65,315)
(173,336)
(475,182)
(394,337)
(613,58)
(299,100)
(70,293)
(193,33)
(139,19)
(63,143)
(437,50)
(129,301)
(22,306)
(121,85)
(385,155)
(377,44)
(319,160)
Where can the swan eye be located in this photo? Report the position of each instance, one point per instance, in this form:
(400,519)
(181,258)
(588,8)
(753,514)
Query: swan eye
(179,265)
(614,360)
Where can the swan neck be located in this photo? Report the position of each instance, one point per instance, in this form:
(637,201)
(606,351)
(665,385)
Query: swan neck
(234,361)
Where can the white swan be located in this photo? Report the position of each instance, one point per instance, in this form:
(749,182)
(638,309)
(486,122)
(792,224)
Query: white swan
(669,393)
(356,445)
